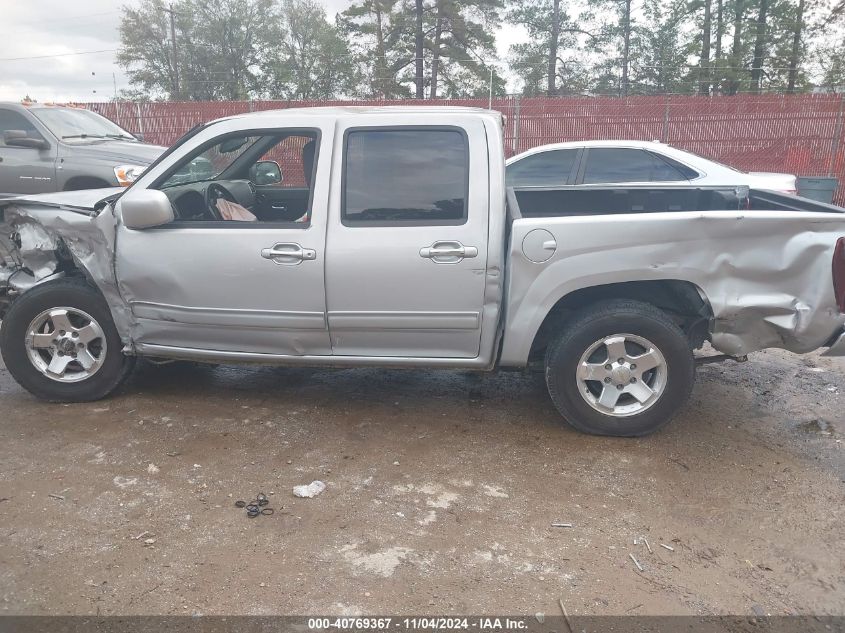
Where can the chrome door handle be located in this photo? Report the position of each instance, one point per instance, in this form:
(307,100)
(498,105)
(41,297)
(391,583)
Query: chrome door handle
(288,253)
(448,252)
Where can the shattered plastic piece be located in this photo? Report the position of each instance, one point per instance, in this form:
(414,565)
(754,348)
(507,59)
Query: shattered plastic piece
(152,469)
(310,491)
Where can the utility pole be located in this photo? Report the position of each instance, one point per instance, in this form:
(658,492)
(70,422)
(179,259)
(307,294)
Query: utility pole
(704,62)
(418,49)
(175,93)
(626,48)
(554,42)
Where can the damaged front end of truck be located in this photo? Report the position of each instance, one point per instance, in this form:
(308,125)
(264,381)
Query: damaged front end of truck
(59,235)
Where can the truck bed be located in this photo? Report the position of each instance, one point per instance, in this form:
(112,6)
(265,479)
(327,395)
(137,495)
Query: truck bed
(756,257)
(540,202)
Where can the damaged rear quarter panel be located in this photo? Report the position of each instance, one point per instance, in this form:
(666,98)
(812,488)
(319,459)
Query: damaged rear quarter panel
(765,274)
(41,240)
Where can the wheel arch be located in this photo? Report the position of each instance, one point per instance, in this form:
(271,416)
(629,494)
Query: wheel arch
(685,302)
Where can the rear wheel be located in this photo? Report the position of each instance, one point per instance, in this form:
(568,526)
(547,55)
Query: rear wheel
(620,368)
(59,342)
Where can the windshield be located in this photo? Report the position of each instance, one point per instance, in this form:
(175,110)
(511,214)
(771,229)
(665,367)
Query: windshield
(71,124)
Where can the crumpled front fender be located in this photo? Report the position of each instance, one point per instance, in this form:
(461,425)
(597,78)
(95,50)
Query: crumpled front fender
(40,242)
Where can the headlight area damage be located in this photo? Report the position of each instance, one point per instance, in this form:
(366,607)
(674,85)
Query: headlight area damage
(42,240)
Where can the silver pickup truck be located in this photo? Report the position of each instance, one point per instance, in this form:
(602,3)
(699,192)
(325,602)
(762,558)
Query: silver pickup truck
(386,237)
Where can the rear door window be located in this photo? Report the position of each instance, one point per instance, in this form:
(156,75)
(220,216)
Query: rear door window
(550,169)
(405,176)
(614,164)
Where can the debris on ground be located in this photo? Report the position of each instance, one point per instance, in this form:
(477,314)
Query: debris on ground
(141,535)
(669,547)
(636,562)
(152,469)
(310,491)
(561,525)
(565,615)
(256,506)
(54,496)
(149,541)
(645,540)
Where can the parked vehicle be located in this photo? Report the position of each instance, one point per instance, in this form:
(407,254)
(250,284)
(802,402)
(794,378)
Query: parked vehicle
(631,162)
(45,148)
(386,237)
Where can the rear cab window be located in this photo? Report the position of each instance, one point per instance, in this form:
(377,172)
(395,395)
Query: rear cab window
(413,176)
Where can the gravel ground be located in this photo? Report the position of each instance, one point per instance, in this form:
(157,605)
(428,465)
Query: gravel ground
(441,491)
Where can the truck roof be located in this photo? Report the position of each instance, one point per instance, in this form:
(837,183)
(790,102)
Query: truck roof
(333,111)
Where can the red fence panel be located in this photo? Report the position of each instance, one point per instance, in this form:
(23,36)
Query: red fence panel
(799,134)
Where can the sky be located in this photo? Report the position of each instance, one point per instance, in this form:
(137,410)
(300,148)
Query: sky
(58,50)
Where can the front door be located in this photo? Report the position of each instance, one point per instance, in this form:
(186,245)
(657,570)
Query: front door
(226,275)
(407,249)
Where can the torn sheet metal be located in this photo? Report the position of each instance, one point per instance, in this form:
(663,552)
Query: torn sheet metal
(766,275)
(41,239)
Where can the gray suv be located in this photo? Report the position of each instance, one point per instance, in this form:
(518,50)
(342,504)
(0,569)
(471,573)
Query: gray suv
(58,148)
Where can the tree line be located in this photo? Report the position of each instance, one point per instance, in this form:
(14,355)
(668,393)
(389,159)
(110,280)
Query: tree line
(290,49)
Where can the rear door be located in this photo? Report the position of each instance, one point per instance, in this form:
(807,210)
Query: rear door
(407,247)
(25,170)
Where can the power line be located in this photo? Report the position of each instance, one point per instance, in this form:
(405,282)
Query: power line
(21,59)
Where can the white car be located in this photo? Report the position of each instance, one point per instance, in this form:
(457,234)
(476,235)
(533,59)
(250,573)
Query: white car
(630,162)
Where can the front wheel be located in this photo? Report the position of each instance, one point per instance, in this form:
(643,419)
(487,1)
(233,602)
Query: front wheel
(59,343)
(620,368)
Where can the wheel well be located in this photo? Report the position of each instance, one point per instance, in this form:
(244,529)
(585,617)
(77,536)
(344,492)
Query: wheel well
(681,300)
(85,182)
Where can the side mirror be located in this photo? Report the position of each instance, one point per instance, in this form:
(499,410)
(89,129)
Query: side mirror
(145,208)
(139,136)
(265,172)
(19,138)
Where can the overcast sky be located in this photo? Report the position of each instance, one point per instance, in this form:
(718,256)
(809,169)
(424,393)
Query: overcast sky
(40,35)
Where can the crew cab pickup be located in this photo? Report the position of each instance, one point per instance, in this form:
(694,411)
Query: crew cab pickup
(386,237)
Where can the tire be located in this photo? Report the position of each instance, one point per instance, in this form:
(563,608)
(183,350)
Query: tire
(108,365)
(577,362)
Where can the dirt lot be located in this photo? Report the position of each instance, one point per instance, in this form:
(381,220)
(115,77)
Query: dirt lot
(442,488)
